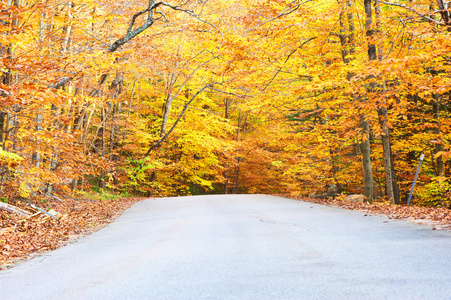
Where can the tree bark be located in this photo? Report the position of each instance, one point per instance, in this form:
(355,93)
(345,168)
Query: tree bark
(365,148)
(439,165)
(391,184)
(227,103)
(67,30)
(347,41)
(2,127)
(369,30)
(226,180)
(166,110)
(236,177)
(365,145)
(343,37)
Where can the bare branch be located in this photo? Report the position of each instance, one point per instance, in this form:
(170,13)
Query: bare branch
(192,14)
(228,93)
(286,11)
(292,52)
(62,81)
(191,75)
(187,104)
(412,10)
(132,22)
(131,33)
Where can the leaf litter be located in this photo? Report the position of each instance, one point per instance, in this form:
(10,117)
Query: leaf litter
(53,224)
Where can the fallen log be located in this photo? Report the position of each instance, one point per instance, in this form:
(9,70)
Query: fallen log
(14,209)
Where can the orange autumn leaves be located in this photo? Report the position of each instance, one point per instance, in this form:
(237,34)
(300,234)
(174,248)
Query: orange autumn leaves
(280,113)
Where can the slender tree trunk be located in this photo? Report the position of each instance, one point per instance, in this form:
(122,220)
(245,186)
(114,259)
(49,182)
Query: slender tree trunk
(167,104)
(227,103)
(238,130)
(236,178)
(374,53)
(237,167)
(369,30)
(396,193)
(226,180)
(37,156)
(344,37)
(377,10)
(439,165)
(351,28)
(169,98)
(67,29)
(365,148)
(390,180)
(2,127)
(103,129)
(347,41)
(166,110)
(365,144)
(130,103)
(113,131)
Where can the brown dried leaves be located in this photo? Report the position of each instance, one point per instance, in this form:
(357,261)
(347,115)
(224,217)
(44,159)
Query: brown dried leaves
(21,236)
(439,218)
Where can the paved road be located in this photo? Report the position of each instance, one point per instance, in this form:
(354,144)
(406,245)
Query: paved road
(241,247)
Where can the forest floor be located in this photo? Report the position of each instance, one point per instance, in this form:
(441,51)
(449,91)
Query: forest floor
(24,237)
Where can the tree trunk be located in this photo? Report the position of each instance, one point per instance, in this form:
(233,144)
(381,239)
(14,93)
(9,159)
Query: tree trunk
(439,165)
(365,145)
(236,176)
(347,40)
(67,30)
(390,176)
(166,110)
(227,103)
(168,102)
(226,180)
(391,184)
(351,28)
(2,127)
(369,30)
(36,155)
(237,167)
(365,148)
(344,37)
(396,193)
(377,10)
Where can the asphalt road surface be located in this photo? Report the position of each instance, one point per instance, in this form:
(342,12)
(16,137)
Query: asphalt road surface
(241,247)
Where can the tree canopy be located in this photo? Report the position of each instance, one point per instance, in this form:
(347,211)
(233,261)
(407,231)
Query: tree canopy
(188,97)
